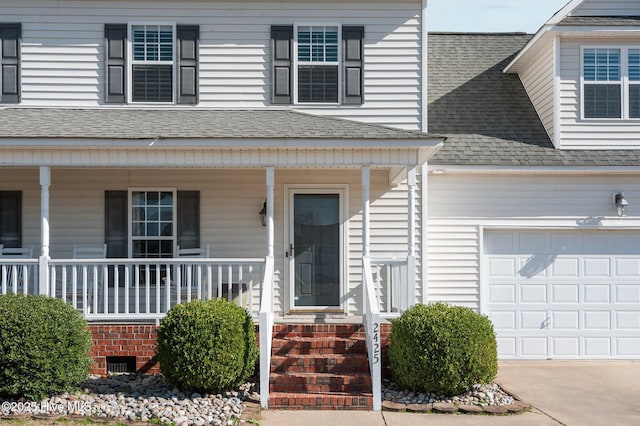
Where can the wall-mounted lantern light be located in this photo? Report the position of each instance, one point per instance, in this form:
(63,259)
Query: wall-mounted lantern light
(263,214)
(621,204)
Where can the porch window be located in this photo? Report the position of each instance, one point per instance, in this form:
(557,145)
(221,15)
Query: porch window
(11,219)
(153,225)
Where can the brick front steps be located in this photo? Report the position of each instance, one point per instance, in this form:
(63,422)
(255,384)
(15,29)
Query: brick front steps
(320,366)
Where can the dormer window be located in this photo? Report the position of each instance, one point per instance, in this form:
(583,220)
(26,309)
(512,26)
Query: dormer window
(611,83)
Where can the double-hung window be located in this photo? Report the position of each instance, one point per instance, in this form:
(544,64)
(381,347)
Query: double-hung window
(317,63)
(611,82)
(152,64)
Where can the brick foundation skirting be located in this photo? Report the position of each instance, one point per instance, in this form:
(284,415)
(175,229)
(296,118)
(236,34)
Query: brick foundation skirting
(140,341)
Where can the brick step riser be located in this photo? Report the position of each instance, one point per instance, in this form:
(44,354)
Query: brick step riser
(321,369)
(319,388)
(338,346)
(318,328)
(322,402)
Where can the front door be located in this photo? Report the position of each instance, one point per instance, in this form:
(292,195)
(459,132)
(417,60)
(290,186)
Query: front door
(315,250)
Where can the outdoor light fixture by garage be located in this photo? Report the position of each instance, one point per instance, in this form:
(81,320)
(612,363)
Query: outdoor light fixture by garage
(621,204)
(263,214)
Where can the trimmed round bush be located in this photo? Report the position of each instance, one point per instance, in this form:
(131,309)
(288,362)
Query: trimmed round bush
(44,347)
(442,349)
(208,347)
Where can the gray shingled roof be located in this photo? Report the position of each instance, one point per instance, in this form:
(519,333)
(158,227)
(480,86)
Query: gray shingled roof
(127,123)
(486,115)
(601,21)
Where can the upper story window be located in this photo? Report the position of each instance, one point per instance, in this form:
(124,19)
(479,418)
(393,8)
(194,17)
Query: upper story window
(151,63)
(317,64)
(611,82)
(317,71)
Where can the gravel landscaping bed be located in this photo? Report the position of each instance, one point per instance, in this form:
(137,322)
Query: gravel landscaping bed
(139,398)
(479,395)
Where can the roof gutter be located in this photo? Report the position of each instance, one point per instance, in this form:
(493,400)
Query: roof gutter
(529,170)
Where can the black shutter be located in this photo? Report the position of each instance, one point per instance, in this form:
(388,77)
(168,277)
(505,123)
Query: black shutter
(116,223)
(115,63)
(188,219)
(10,35)
(281,62)
(352,76)
(188,36)
(11,218)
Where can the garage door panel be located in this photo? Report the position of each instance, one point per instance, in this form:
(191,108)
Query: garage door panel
(565,347)
(502,293)
(628,320)
(629,268)
(566,267)
(565,294)
(597,320)
(597,347)
(628,293)
(533,319)
(507,347)
(628,347)
(597,267)
(502,268)
(597,293)
(533,293)
(503,320)
(533,347)
(565,320)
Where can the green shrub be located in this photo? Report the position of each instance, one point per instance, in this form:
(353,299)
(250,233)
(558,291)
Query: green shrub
(442,349)
(207,346)
(44,347)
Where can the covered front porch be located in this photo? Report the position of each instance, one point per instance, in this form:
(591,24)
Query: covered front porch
(174,214)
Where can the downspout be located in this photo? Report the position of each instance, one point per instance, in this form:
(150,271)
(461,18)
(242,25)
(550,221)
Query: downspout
(424,170)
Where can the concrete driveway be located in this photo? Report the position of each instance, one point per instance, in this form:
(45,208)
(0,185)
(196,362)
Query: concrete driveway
(577,392)
(561,392)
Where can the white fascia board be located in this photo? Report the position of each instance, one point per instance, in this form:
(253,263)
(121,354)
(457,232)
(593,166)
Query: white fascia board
(436,170)
(548,26)
(432,143)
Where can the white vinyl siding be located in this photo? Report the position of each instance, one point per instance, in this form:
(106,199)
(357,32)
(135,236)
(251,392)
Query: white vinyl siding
(575,132)
(608,8)
(230,201)
(461,206)
(63,51)
(538,81)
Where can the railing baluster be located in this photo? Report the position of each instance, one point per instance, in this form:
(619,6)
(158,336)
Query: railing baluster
(126,285)
(178,285)
(63,285)
(167,290)
(147,291)
(188,281)
(240,302)
(116,287)
(209,282)
(136,277)
(4,279)
(219,281)
(199,280)
(250,290)
(229,283)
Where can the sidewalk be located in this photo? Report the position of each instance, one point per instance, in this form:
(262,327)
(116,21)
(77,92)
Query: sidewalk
(386,418)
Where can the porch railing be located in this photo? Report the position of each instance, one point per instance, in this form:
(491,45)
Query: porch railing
(145,289)
(18,276)
(266,316)
(390,284)
(371,320)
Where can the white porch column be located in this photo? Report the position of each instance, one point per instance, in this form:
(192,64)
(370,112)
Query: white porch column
(366,182)
(270,229)
(43,266)
(411,237)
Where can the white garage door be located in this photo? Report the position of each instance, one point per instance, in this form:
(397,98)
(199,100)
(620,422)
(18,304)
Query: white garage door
(564,294)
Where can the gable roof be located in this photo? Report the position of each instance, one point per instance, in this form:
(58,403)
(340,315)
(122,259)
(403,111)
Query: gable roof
(133,124)
(486,115)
